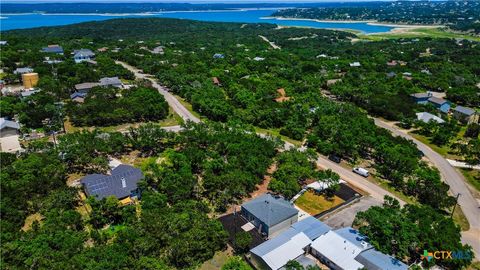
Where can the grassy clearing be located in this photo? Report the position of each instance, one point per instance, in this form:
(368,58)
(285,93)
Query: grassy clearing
(460,219)
(215,263)
(474,266)
(276,133)
(315,204)
(473,177)
(445,150)
(419,32)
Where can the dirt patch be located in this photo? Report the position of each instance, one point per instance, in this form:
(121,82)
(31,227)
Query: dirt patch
(29,221)
(314,203)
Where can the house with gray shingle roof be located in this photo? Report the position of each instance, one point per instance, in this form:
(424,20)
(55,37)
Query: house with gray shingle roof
(83,55)
(465,115)
(421,98)
(121,183)
(270,214)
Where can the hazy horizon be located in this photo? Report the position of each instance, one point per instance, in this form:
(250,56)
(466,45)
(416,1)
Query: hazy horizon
(187,1)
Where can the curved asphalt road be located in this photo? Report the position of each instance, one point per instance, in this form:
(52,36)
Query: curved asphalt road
(470,206)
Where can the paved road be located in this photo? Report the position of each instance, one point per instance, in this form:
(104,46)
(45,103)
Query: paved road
(172,101)
(456,181)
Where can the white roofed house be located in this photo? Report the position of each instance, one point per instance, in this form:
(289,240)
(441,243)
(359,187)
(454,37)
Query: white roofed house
(427,117)
(23,70)
(83,55)
(292,244)
(9,131)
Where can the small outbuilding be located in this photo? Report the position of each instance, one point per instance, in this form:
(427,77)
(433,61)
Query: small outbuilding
(83,55)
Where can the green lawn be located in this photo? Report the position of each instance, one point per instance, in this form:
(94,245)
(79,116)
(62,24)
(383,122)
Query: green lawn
(216,262)
(276,133)
(460,219)
(315,204)
(473,177)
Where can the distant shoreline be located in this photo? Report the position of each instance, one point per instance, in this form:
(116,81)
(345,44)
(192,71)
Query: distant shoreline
(395,27)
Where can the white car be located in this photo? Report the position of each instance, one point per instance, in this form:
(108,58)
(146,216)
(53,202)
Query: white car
(361,171)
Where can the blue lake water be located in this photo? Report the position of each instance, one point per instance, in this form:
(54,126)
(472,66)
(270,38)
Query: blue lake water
(19,21)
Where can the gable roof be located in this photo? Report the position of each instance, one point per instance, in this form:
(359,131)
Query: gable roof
(107,81)
(23,70)
(83,53)
(270,210)
(78,94)
(120,183)
(7,123)
(375,260)
(290,244)
(464,110)
(439,101)
(427,117)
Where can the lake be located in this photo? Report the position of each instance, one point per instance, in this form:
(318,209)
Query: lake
(19,21)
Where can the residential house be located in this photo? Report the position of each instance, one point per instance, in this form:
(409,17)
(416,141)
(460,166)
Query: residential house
(292,244)
(392,63)
(391,74)
(257,58)
(355,64)
(83,55)
(158,50)
(346,249)
(218,56)
(78,97)
(3,42)
(111,81)
(51,61)
(427,117)
(421,98)
(9,131)
(23,70)
(122,183)
(439,103)
(465,115)
(53,49)
(85,87)
(270,214)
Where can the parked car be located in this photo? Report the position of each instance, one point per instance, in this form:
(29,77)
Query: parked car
(361,171)
(334,158)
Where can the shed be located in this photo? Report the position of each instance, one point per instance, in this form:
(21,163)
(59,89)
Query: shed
(111,81)
(270,214)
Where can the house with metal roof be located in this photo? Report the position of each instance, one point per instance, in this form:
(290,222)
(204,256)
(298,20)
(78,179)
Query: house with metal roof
(83,55)
(111,81)
(440,103)
(218,56)
(85,87)
(421,98)
(270,214)
(9,136)
(53,49)
(375,260)
(465,115)
(346,249)
(23,70)
(121,183)
(427,117)
(292,244)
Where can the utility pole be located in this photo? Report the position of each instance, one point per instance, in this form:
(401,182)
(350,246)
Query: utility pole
(455,205)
